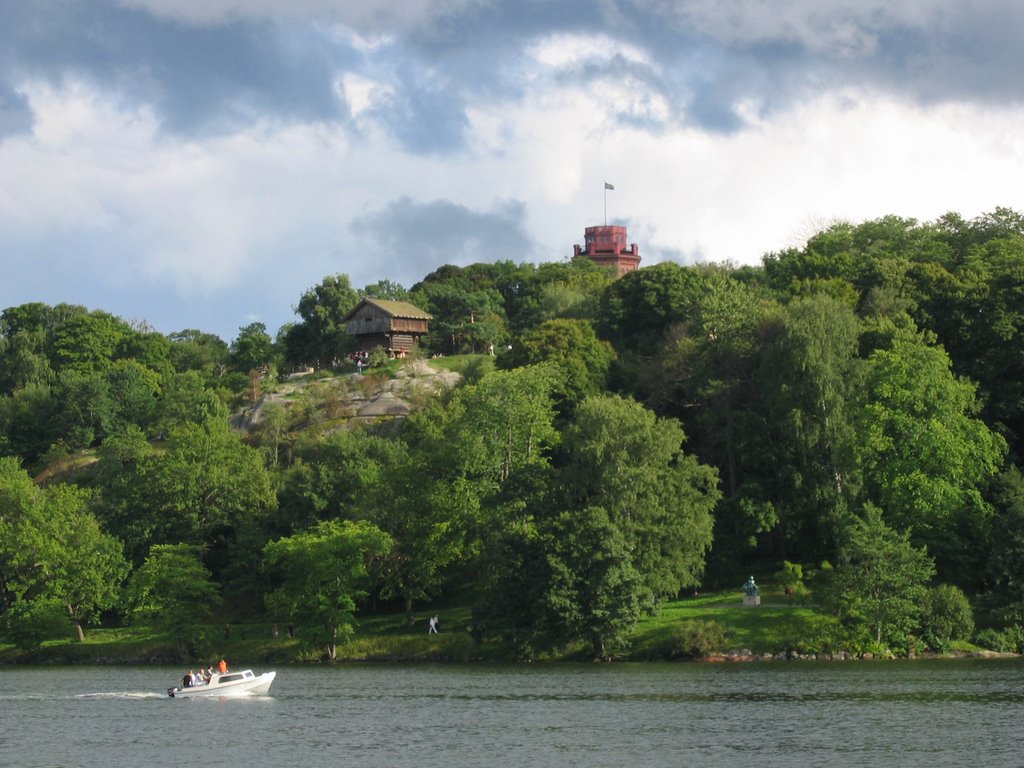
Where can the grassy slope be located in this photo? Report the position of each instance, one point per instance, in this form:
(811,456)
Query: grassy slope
(772,627)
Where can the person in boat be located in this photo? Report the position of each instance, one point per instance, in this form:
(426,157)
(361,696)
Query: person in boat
(186,681)
(222,667)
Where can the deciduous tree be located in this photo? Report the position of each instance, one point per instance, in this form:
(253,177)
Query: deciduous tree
(321,573)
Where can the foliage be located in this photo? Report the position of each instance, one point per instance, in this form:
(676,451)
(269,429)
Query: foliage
(31,622)
(320,338)
(637,309)
(377,358)
(172,591)
(320,575)
(1008,640)
(791,579)
(573,348)
(878,366)
(881,581)
(946,618)
(924,458)
(504,422)
(808,376)
(252,348)
(51,546)
(621,458)
(696,639)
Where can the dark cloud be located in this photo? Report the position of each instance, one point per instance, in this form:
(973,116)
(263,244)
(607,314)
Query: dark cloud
(426,114)
(15,114)
(416,238)
(702,59)
(199,78)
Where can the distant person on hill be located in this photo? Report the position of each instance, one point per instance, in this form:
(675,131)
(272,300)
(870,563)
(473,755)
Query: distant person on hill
(433,626)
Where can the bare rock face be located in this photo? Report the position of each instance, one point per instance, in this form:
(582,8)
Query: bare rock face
(329,404)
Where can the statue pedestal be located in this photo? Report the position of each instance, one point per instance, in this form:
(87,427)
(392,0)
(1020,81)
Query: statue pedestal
(751,601)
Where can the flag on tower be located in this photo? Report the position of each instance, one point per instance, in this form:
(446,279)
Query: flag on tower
(609,186)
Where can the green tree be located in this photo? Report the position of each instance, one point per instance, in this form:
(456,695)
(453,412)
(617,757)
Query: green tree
(252,348)
(194,350)
(809,378)
(791,579)
(595,590)
(467,319)
(53,547)
(29,422)
(32,621)
(1005,567)
(573,348)
(621,458)
(881,580)
(123,477)
(205,489)
(709,378)
(173,592)
(504,422)
(186,399)
(320,338)
(321,574)
(385,289)
(925,458)
(87,343)
(637,309)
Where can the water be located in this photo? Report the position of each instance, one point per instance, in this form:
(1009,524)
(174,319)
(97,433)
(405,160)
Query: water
(907,714)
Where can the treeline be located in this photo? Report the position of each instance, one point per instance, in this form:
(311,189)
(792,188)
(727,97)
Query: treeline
(847,414)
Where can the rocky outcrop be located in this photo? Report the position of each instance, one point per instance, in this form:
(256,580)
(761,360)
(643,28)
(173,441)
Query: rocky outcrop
(311,401)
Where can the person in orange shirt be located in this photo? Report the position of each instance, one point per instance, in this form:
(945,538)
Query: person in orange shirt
(222,667)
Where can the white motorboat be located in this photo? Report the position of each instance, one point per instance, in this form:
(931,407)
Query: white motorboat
(227,684)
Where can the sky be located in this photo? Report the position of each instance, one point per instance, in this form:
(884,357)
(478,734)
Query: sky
(202,163)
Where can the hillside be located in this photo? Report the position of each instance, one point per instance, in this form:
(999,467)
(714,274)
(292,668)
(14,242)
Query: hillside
(322,404)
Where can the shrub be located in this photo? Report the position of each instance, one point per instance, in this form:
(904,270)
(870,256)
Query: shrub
(378,358)
(946,617)
(791,579)
(1009,640)
(697,638)
(477,367)
(30,622)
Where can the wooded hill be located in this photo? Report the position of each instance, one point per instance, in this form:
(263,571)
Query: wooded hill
(847,415)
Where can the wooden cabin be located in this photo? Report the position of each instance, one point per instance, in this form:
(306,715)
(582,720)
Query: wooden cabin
(395,325)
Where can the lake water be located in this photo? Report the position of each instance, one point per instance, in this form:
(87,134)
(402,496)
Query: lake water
(906,714)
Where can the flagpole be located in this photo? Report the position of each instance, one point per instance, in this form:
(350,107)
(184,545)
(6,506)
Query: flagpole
(606,204)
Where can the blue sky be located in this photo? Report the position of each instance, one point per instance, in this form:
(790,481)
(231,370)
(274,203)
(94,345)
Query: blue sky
(201,163)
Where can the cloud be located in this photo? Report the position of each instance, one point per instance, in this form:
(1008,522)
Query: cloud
(201,163)
(218,65)
(415,238)
(15,115)
(196,78)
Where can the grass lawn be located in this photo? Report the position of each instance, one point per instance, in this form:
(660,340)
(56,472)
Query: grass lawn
(772,627)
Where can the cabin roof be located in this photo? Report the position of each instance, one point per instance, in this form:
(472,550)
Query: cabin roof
(393,308)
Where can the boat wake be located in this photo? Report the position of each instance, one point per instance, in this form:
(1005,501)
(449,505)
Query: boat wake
(122,695)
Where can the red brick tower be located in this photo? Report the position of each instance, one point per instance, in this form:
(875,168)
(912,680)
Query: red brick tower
(606,245)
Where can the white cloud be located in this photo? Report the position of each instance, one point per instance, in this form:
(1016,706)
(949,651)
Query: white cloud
(562,51)
(361,93)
